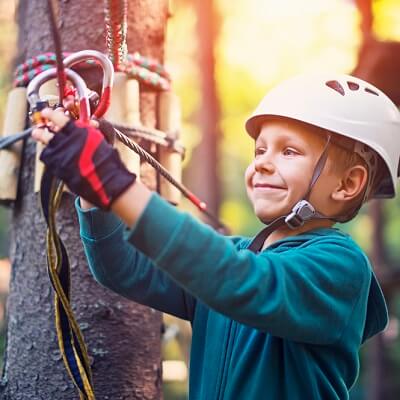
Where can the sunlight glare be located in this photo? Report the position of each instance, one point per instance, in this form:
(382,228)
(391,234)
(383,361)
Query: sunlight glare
(276,39)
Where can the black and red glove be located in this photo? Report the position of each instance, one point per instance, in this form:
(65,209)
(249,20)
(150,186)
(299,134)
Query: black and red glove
(81,157)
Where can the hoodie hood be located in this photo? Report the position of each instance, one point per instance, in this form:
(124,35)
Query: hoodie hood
(377,314)
(376,318)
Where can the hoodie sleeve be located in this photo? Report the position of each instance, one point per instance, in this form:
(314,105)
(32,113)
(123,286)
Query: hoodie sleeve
(117,265)
(311,293)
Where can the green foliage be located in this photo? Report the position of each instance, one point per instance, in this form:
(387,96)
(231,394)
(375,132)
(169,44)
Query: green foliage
(172,350)
(392,229)
(237,147)
(175,391)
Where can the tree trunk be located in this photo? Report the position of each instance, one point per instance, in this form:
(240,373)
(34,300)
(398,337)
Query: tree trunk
(378,64)
(123,338)
(376,366)
(378,61)
(202,173)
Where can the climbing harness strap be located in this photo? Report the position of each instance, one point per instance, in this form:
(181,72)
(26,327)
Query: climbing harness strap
(70,339)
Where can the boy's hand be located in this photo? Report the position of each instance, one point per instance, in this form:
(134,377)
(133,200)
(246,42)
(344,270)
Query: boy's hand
(79,155)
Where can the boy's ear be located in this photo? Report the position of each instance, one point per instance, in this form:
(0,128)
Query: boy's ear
(352,183)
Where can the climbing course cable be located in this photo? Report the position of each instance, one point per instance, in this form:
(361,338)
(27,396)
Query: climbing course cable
(201,205)
(9,140)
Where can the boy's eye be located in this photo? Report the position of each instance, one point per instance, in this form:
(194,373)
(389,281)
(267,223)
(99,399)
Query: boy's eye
(290,152)
(259,151)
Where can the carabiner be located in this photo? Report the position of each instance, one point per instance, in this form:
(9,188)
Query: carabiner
(80,85)
(108,75)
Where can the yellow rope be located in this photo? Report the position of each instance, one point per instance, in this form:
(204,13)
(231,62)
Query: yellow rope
(54,262)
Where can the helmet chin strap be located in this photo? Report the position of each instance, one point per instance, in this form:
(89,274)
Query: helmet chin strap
(302,211)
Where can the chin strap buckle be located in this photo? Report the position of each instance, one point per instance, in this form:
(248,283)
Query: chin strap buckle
(301,212)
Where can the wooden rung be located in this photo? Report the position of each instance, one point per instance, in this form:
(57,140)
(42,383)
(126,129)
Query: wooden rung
(10,159)
(169,121)
(124,108)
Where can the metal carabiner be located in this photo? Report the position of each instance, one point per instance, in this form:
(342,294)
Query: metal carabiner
(108,75)
(37,104)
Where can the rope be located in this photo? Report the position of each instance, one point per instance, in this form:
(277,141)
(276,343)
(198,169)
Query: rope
(144,69)
(116,29)
(26,71)
(61,77)
(149,64)
(135,66)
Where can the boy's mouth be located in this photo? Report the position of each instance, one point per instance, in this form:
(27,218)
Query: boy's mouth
(267,186)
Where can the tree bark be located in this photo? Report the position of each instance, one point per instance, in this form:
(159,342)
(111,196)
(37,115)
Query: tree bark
(378,61)
(123,338)
(202,172)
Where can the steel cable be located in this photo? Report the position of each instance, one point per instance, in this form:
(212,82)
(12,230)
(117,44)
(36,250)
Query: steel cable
(9,140)
(144,155)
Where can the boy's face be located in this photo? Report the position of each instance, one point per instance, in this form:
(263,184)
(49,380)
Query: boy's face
(286,153)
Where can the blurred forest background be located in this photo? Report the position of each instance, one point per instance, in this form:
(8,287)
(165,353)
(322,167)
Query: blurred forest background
(256,44)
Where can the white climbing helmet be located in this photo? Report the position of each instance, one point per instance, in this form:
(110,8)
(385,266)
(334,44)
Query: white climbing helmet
(342,104)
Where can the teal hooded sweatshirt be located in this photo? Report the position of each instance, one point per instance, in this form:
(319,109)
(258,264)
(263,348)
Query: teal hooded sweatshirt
(285,323)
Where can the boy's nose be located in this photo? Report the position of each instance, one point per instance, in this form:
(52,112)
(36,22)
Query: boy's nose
(263,163)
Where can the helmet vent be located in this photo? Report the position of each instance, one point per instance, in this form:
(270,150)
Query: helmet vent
(335,85)
(353,85)
(368,90)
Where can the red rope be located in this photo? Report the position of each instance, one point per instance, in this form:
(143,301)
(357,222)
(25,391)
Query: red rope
(116,29)
(144,69)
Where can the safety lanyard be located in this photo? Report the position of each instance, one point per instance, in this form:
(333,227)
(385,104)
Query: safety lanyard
(70,338)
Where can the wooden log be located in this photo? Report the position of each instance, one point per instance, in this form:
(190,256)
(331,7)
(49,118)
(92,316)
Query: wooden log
(124,109)
(169,121)
(10,159)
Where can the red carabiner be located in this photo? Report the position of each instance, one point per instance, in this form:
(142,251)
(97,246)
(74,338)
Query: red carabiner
(108,75)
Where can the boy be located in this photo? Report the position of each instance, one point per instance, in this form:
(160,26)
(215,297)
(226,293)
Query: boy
(281,316)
